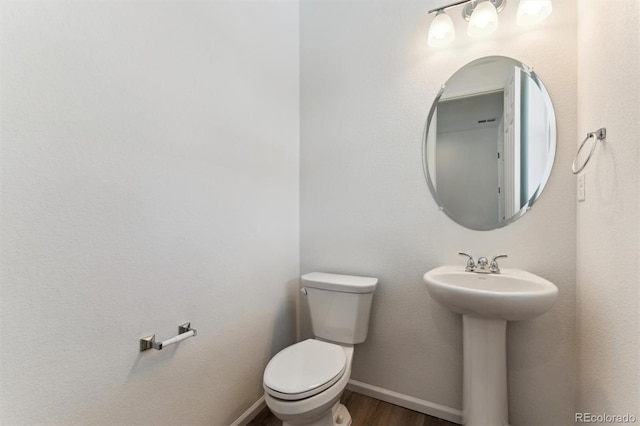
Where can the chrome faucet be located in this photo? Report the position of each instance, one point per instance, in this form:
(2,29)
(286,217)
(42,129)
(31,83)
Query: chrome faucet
(493,267)
(481,266)
(471,265)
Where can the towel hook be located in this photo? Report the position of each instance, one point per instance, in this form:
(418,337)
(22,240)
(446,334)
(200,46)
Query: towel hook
(598,135)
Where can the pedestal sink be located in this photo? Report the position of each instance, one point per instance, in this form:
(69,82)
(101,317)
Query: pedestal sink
(487,302)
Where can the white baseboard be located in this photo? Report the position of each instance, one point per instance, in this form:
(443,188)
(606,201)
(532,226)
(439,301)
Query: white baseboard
(406,401)
(248,415)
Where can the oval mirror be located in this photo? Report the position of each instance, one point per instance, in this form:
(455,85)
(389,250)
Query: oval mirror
(490,142)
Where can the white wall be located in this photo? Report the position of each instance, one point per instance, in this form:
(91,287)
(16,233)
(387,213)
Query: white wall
(368,79)
(608,262)
(149,176)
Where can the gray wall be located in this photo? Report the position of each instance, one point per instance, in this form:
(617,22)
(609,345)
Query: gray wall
(368,79)
(467,174)
(149,169)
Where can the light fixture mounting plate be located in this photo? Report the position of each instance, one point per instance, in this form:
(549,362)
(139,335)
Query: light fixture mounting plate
(470,7)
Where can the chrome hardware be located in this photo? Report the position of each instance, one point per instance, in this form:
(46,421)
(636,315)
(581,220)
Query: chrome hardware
(598,135)
(482,265)
(493,267)
(471,265)
(184,332)
(303,291)
(468,9)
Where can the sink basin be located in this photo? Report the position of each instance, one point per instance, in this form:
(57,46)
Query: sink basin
(512,295)
(487,302)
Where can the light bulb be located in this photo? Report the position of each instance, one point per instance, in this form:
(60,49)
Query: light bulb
(533,11)
(483,21)
(441,31)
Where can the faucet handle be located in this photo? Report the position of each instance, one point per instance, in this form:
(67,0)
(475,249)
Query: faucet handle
(471,265)
(493,267)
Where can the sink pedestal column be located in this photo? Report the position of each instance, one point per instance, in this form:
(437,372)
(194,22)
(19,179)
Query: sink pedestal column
(484,401)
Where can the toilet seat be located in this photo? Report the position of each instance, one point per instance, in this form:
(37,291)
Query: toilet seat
(304,369)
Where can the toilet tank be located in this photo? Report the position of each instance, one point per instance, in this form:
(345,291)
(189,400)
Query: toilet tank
(339,305)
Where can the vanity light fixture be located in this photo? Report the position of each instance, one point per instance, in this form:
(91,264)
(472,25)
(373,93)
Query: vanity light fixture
(531,12)
(441,31)
(484,20)
(482,16)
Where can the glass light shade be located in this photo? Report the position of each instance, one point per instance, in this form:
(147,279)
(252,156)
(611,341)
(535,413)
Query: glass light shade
(441,31)
(531,12)
(483,21)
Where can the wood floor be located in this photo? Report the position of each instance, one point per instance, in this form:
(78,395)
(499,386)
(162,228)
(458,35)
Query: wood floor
(367,411)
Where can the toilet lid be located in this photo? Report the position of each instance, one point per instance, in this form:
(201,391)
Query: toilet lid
(304,369)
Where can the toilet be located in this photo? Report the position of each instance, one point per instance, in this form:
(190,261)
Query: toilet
(303,382)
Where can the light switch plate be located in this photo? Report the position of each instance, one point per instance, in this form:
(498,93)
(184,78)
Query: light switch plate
(581,189)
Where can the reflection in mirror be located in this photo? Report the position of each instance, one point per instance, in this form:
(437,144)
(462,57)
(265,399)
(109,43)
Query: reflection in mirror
(490,143)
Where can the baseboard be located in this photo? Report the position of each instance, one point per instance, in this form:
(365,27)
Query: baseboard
(248,415)
(406,401)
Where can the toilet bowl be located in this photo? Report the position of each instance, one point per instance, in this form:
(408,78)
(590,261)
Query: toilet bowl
(303,383)
(314,380)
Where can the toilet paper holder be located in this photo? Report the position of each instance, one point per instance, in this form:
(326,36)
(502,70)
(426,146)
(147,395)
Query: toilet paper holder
(184,332)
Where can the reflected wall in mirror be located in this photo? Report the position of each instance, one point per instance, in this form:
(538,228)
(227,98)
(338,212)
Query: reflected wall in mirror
(490,142)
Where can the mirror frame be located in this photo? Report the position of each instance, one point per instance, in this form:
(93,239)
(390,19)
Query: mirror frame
(553,133)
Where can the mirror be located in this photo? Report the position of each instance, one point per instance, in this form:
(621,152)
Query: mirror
(490,142)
